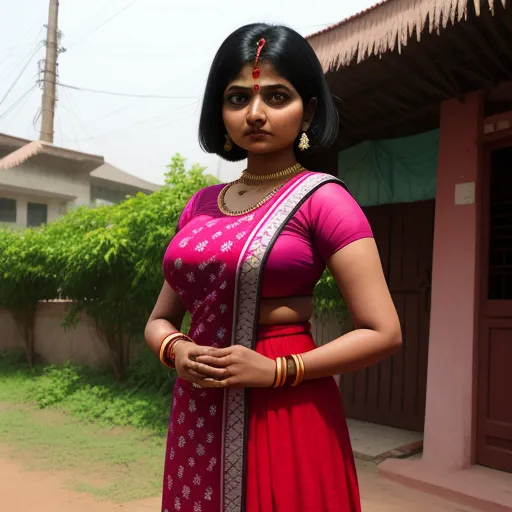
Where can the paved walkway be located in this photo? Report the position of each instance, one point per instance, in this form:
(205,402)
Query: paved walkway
(22,490)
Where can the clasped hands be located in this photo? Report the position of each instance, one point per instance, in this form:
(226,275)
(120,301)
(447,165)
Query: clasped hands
(231,367)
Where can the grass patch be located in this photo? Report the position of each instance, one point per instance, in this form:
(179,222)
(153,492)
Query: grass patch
(106,437)
(141,400)
(121,464)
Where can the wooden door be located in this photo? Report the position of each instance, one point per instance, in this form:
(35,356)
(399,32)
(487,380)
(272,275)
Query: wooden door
(394,391)
(494,430)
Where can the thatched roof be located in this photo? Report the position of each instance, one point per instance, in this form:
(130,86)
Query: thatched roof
(387,26)
(14,151)
(21,155)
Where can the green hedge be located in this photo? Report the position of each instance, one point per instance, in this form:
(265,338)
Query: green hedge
(108,261)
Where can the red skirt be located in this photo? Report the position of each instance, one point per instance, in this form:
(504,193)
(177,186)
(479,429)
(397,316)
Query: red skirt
(299,457)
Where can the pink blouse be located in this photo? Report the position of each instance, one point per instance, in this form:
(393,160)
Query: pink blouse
(325,223)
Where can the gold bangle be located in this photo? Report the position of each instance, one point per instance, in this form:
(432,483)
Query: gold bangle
(296,382)
(302,369)
(277,378)
(163,348)
(167,342)
(172,336)
(171,351)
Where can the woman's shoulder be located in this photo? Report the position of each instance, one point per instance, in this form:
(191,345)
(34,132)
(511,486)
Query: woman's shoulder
(328,188)
(205,195)
(330,202)
(211,191)
(201,201)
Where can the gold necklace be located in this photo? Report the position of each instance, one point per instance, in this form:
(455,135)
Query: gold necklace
(251,179)
(221,201)
(247,177)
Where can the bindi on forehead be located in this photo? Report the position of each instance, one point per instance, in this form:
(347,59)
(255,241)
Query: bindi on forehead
(268,78)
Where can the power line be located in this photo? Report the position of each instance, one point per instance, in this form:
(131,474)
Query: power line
(90,17)
(37,116)
(158,118)
(112,93)
(18,101)
(97,27)
(30,55)
(138,100)
(74,111)
(20,74)
(70,123)
(24,36)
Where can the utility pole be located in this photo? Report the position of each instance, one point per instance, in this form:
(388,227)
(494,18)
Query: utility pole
(50,74)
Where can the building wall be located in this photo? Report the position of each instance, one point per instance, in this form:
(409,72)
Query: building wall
(82,345)
(451,404)
(54,343)
(40,178)
(55,206)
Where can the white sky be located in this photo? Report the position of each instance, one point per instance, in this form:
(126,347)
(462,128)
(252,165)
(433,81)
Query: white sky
(159,47)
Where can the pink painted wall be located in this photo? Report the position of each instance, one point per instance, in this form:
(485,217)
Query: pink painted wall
(449,428)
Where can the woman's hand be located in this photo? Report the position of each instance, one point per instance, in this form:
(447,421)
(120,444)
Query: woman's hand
(186,354)
(236,367)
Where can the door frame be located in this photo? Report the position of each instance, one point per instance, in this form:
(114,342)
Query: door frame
(485,309)
(485,180)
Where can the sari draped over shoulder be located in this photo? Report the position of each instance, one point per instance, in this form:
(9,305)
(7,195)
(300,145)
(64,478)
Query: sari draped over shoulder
(258,450)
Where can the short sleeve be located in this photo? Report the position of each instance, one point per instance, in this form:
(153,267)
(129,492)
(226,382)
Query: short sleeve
(336,219)
(188,212)
(203,201)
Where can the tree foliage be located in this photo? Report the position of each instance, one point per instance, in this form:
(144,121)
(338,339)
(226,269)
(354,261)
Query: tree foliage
(107,261)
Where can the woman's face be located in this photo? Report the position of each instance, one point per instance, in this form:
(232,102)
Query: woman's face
(266,120)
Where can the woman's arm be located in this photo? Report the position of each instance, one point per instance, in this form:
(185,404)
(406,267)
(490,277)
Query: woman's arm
(166,317)
(358,271)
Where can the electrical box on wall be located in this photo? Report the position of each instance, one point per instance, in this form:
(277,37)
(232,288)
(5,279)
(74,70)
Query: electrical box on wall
(465,193)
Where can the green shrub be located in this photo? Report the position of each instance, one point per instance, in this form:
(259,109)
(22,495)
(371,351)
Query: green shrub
(141,400)
(108,261)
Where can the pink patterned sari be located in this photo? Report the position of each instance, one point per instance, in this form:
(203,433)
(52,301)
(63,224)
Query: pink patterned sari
(215,264)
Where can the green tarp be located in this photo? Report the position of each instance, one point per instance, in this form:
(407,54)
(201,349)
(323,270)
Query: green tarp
(391,171)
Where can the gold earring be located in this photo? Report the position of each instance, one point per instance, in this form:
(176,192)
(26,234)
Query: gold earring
(304,142)
(228,145)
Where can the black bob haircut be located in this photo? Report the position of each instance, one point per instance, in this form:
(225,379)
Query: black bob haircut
(293,58)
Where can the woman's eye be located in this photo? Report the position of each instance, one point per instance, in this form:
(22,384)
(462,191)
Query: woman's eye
(237,99)
(278,98)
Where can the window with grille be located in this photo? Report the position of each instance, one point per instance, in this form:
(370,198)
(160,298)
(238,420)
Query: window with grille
(7,210)
(500,229)
(37,214)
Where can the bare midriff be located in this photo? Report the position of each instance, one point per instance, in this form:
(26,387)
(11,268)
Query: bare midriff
(286,310)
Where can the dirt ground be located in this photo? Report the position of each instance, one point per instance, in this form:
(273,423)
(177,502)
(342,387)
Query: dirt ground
(43,491)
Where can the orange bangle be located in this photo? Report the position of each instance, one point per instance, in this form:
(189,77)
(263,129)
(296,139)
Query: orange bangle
(301,370)
(168,342)
(277,378)
(171,350)
(297,380)
(162,358)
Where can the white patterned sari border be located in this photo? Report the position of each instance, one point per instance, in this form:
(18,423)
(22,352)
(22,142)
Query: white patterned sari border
(245,322)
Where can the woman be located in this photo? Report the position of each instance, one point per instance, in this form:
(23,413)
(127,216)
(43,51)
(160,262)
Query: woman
(257,423)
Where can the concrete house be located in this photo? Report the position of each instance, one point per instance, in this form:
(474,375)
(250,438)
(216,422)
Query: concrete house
(39,182)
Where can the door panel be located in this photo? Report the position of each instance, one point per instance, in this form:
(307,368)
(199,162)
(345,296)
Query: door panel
(494,444)
(494,431)
(394,391)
